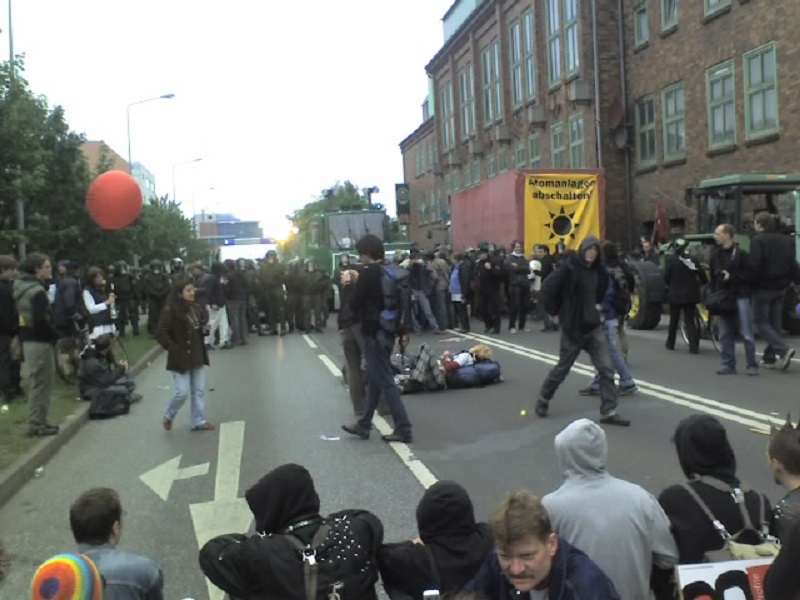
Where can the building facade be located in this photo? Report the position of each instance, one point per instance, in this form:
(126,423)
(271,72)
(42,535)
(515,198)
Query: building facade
(97,153)
(661,94)
(145,179)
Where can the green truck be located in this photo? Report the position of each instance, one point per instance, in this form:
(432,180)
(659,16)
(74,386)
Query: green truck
(734,199)
(328,235)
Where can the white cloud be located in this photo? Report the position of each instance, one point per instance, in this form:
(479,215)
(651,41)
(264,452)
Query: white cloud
(279,99)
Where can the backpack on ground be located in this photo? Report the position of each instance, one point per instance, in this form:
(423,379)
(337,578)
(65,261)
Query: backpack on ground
(622,302)
(734,549)
(395,318)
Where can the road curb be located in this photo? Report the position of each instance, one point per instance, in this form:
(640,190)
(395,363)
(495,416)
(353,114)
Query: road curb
(24,469)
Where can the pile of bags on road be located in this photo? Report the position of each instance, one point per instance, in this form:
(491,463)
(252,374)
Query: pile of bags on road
(425,372)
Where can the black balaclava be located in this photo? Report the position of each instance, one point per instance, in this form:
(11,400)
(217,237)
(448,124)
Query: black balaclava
(703,449)
(283,496)
(445,513)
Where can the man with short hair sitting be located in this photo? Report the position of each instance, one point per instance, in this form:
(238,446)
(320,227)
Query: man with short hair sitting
(96,522)
(104,381)
(531,561)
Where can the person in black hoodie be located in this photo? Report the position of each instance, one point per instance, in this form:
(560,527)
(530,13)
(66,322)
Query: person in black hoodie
(575,292)
(708,461)
(490,279)
(683,276)
(10,380)
(286,508)
(449,552)
(774,268)
(782,581)
(350,333)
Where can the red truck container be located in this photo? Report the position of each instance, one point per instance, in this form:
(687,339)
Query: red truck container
(494,210)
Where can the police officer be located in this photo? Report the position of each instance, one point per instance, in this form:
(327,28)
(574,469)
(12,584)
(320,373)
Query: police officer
(124,287)
(272,277)
(155,288)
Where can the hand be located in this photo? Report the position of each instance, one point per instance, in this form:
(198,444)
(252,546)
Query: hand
(418,541)
(726,276)
(124,364)
(214,307)
(404,340)
(487,265)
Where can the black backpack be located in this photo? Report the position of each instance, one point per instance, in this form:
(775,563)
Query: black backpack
(395,318)
(622,295)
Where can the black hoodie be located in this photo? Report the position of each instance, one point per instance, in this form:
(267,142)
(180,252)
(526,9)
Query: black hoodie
(704,451)
(452,541)
(267,566)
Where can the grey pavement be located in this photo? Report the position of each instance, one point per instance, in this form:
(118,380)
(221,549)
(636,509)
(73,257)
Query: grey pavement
(287,398)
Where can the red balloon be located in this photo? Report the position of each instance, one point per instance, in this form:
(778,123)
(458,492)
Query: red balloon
(114,200)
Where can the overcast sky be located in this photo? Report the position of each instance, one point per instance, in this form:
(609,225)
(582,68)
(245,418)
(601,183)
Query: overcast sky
(279,99)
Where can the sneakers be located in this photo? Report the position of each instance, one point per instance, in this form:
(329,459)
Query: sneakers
(356,430)
(204,427)
(43,430)
(752,371)
(167,424)
(784,363)
(542,406)
(512,330)
(627,390)
(767,364)
(615,419)
(404,438)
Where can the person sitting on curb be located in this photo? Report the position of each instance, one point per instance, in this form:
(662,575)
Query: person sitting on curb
(104,381)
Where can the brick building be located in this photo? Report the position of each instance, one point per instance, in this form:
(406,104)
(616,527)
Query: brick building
(660,95)
(96,152)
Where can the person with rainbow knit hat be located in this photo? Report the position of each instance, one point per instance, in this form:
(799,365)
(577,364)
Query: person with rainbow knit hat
(67,577)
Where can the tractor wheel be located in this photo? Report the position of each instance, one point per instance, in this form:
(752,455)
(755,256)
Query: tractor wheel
(647,297)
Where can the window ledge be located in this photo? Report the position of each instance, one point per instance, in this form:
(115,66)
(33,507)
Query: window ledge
(554,87)
(649,168)
(517,109)
(722,149)
(762,139)
(722,10)
(572,76)
(642,46)
(669,30)
(673,162)
(530,102)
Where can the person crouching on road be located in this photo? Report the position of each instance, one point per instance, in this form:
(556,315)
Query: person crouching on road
(181,330)
(104,381)
(289,526)
(531,560)
(575,292)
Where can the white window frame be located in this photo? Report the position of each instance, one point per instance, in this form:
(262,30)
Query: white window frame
(498,83)
(725,104)
(711,7)
(572,60)
(558,148)
(577,142)
(529,54)
(491,165)
(488,100)
(764,90)
(646,129)
(673,119)
(553,30)
(467,101)
(534,151)
(515,62)
(520,155)
(669,21)
(641,35)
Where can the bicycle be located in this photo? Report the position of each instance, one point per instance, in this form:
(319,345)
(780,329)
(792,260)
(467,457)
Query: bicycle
(706,324)
(69,348)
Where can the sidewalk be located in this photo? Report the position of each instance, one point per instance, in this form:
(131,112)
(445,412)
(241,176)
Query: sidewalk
(24,469)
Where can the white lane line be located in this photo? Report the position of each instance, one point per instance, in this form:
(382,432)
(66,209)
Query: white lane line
(418,469)
(331,365)
(229,461)
(312,344)
(721,409)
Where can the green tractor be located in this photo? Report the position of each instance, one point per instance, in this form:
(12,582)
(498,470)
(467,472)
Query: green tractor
(734,199)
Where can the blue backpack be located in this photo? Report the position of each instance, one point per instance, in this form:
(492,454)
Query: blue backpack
(395,318)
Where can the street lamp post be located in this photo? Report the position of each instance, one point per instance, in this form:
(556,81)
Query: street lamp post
(174,167)
(369,191)
(128,115)
(22,247)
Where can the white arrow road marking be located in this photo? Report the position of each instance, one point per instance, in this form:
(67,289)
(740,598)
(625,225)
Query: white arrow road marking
(226,513)
(161,478)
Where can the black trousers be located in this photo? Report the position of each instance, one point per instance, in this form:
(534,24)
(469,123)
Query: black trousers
(688,311)
(128,313)
(10,380)
(490,309)
(519,303)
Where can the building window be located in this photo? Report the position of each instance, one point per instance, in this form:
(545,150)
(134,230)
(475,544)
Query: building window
(456,185)
(646,131)
(713,6)
(422,209)
(492,85)
(577,158)
(431,153)
(491,166)
(448,118)
(467,177)
(669,14)
(553,42)
(674,131)
(761,91)
(534,157)
(502,160)
(520,159)
(721,105)
(641,25)
(476,172)
(515,48)
(467,97)
(529,43)
(557,148)
(572,57)
(443,204)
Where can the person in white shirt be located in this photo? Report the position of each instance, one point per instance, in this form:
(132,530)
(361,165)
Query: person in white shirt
(99,305)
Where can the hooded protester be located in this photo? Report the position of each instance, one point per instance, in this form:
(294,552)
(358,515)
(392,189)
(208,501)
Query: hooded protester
(683,275)
(708,461)
(624,516)
(575,292)
(269,564)
(450,550)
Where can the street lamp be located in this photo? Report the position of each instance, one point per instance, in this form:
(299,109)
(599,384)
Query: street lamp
(22,247)
(369,191)
(128,114)
(175,166)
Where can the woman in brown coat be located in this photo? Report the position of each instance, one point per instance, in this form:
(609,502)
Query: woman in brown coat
(180,332)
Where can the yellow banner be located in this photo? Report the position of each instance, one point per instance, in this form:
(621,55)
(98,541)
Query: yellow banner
(561,207)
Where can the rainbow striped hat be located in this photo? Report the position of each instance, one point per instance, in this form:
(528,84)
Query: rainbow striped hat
(67,577)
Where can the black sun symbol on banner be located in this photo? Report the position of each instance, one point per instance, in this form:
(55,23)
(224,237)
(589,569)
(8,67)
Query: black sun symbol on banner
(562,225)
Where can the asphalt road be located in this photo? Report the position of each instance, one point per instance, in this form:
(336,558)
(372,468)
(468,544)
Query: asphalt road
(277,398)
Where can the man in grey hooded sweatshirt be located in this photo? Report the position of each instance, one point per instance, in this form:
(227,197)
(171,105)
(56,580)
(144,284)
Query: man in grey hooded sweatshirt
(617,524)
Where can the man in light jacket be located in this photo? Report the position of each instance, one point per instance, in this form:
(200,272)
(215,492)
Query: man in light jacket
(616,523)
